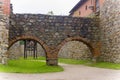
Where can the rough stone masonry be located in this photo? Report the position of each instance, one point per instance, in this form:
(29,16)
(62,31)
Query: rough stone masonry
(52,32)
(4,23)
(110,31)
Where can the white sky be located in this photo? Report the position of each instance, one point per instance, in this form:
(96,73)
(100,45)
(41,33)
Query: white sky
(59,7)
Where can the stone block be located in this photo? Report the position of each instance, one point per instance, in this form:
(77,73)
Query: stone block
(52,62)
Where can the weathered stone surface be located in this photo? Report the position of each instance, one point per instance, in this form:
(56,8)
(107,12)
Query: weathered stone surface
(110,31)
(52,32)
(51,29)
(16,51)
(40,50)
(3,38)
(4,24)
(75,50)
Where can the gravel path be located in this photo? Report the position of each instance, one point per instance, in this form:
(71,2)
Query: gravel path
(72,72)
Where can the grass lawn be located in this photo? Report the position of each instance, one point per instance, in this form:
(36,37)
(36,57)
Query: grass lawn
(28,66)
(36,66)
(73,61)
(90,63)
(107,65)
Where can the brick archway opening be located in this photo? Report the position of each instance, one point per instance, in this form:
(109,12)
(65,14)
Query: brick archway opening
(43,45)
(80,39)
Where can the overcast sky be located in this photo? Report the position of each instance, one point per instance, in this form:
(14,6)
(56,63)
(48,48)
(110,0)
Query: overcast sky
(59,7)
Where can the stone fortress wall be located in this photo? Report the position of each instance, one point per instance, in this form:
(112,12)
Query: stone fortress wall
(110,31)
(4,24)
(105,36)
(54,30)
(3,36)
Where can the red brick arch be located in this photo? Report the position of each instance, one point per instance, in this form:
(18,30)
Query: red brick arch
(84,40)
(44,46)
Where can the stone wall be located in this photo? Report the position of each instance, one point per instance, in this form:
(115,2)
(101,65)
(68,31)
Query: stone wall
(3,37)
(110,31)
(75,50)
(51,29)
(16,51)
(4,24)
(54,31)
(40,51)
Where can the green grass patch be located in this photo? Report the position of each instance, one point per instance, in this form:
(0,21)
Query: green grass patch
(38,65)
(28,66)
(73,61)
(31,58)
(107,65)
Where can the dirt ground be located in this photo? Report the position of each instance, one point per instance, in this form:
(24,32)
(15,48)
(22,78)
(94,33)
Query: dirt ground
(71,72)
